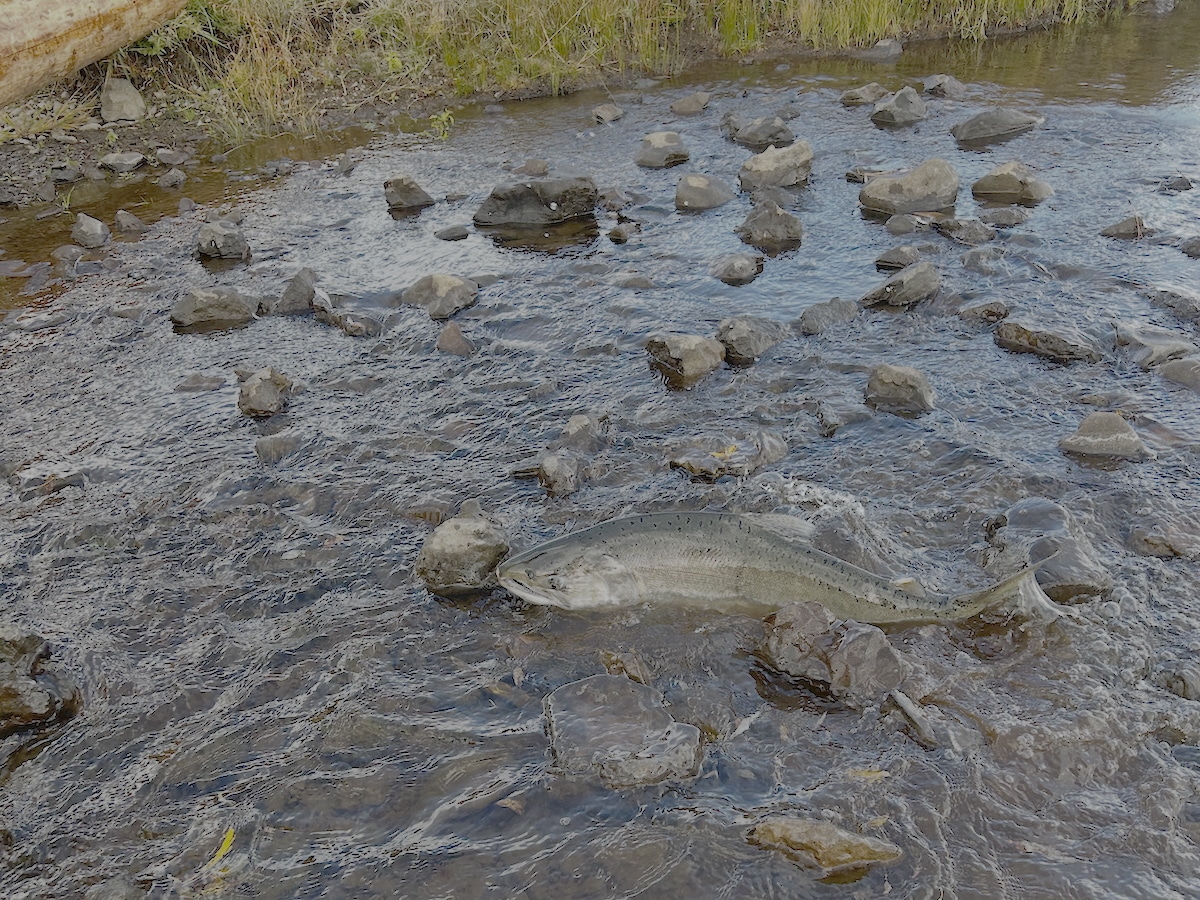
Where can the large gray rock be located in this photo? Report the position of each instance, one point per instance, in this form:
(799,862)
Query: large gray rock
(815,843)
(822,316)
(452,340)
(736,268)
(746,338)
(222,239)
(560,472)
(1061,344)
(966,231)
(700,192)
(459,557)
(612,727)
(441,295)
(122,163)
(899,389)
(1038,531)
(1183,371)
(661,150)
(205,310)
(994,125)
(127,223)
(89,232)
(692,104)
(550,201)
(905,107)
(1011,182)
(607,113)
(932,185)
(297,299)
(777,167)
(770,229)
(32,693)
(264,393)
(1105,434)
(898,258)
(908,286)
(685,358)
(862,96)
(944,86)
(120,101)
(1132,228)
(403,193)
(1149,345)
(760,133)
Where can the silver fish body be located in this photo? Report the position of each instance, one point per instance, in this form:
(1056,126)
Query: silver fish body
(728,562)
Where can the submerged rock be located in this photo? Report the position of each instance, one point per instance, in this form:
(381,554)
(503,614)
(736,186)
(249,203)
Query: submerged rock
(770,229)
(550,201)
(965,231)
(902,108)
(32,693)
(1183,371)
(685,358)
(985,313)
(615,728)
(607,113)
(1105,434)
(821,316)
(908,286)
(460,555)
(1061,344)
(861,96)
(746,338)
(995,125)
(441,295)
(692,104)
(816,843)
(1131,228)
(204,310)
(264,393)
(452,340)
(1149,345)
(1007,217)
(932,185)
(700,192)
(222,239)
(899,389)
(661,150)
(403,193)
(736,268)
(777,167)
(560,472)
(89,232)
(1012,182)
(339,312)
(1164,540)
(714,457)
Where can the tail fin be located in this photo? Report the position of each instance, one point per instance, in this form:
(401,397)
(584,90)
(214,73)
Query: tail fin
(1019,591)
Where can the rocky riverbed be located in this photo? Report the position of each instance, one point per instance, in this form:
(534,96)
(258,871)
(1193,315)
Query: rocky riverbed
(261,458)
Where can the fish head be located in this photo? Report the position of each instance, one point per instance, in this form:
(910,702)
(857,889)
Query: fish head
(570,579)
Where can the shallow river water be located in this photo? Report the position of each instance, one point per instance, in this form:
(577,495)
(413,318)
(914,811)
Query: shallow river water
(235,599)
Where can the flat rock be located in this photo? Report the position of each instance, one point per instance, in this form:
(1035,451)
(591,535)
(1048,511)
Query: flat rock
(685,358)
(715,457)
(460,555)
(1131,229)
(770,229)
(121,102)
(746,338)
(692,104)
(222,239)
(985,313)
(1183,371)
(994,125)
(607,113)
(612,727)
(170,157)
(533,168)
(777,167)
(264,393)
(1177,183)
(822,316)
(864,95)
(403,193)
(898,258)
(899,389)
(932,185)
(905,107)
(1007,217)
(453,233)
(965,231)
(1149,345)
(1061,344)
(441,295)
(819,844)
(908,286)
(452,340)
(661,150)
(212,310)
(1011,182)
(736,268)
(122,162)
(944,86)
(700,192)
(549,201)
(760,133)
(1105,434)
(89,232)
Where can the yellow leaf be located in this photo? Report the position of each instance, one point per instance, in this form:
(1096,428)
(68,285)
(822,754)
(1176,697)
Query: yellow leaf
(225,847)
(726,453)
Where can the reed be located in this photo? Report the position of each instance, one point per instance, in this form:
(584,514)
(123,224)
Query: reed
(262,62)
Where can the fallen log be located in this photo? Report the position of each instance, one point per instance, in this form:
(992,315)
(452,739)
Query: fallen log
(41,40)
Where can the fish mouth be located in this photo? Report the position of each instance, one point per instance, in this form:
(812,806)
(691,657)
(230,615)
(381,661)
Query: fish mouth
(512,576)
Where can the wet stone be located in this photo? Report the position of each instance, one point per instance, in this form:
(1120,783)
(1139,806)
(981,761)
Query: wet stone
(211,310)
(1183,371)
(340,312)
(272,448)
(222,239)
(297,298)
(89,232)
(746,338)
(122,162)
(1177,183)
(1060,345)
(770,229)
(902,108)
(560,472)
(1105,434)
(583,431)
(965,231)
(661,150)
(691,105)
(459,556)
(983,260)
(1165,540)
(821,317)
(760,133)
(1012,182)
(995,125)
(441,295)
(172,179)
(944,86)
(1007,217)
(899,389)
(403,193)
(453,233)
(700,192)
(452,340)
(777,167)
(736,268)
(120,101)
(533,168)
(264,393)
(1149,345)
(685,358)
(930,186)
(862,96)
(612,727)
(64,174)
(1131,228)
(908,286)
(607,113)
(127,223)
(539,203)
(898,258)
(714,457)
(32,693)
(985,313)
(819,844)
(1182,679)
(169,157)
(906,224)
(1191,247)
(835,414)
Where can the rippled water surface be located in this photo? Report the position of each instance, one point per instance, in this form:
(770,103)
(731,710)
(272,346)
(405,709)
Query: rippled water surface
(236,603)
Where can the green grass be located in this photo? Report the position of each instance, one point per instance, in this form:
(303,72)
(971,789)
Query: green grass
(265,64)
